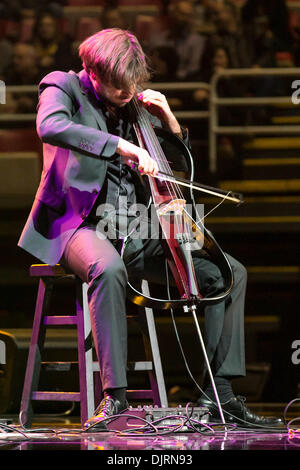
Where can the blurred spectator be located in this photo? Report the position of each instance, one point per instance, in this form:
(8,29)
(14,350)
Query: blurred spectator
(6,53)
(24,70)
(112,18)
(211,10)
(227,86)
(164,60)
(7,43)
(10,10)
(264,43)
(278,19)
(16,9)
(163,63)
(229,147)
(230,34)
(53,49)
(181,37)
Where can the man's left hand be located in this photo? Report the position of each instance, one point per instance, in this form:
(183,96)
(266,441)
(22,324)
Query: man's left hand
(157,104)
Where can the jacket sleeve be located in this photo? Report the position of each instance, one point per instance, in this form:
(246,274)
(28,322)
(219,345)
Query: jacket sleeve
(55,126)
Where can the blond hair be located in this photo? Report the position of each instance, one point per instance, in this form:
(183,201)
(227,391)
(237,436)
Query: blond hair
(116,57)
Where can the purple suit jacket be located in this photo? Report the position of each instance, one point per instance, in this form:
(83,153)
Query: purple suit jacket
(76,148)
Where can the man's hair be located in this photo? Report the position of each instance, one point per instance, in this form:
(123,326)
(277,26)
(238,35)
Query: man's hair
(116,57)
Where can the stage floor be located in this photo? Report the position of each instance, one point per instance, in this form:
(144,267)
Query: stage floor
(65,433)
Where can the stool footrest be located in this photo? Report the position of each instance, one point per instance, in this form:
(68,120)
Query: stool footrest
(60,320)
(56,396)
(139,394)
(59,366)
(140,365)
(131,366)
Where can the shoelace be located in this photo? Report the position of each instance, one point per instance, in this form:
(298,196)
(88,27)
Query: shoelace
(242,400)
(105,405)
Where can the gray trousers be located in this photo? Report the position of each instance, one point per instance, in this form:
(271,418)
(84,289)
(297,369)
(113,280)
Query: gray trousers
(98,262)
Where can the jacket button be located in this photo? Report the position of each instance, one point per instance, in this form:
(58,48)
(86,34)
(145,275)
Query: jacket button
(95,191)
(83,215)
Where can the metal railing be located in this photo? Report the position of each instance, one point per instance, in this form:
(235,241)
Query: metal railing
(180,86)
(19,117)
(215,102)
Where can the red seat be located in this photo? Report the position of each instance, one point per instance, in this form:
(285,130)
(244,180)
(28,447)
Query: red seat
(86,26)
(9,28)
(19,140)
(27,25)
(86,3)
(137,3)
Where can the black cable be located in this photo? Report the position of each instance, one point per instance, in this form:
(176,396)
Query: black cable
(293,420)
(269,428)
(109,418)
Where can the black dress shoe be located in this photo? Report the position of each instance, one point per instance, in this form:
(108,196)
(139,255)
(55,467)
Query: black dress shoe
(108,407)
(236,412)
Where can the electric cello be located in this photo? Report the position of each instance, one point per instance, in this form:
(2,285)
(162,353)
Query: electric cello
(183,236)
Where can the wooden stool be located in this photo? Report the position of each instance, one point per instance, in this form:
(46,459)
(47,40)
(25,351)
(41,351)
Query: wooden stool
(48,275)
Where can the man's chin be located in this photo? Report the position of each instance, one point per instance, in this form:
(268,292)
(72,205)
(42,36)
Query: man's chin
(118,104)
(125,101)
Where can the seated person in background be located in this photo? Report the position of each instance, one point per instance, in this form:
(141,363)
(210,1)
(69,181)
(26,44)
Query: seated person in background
(112,18)
(23,70)
(31,8)
(230,34)
(180,36)
(53,50)
(164,62)
(228,146)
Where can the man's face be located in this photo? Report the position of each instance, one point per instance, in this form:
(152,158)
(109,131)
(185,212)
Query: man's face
(111,94)
(47,28)
(24,58)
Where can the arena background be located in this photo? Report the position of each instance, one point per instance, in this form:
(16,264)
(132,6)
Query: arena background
(230,71)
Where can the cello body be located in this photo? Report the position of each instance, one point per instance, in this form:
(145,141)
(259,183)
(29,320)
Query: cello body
(182,237)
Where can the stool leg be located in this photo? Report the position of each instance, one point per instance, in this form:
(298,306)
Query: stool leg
(35,351)
(158,385)
(85,353)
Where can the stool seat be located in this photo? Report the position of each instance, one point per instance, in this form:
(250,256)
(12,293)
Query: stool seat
(89,374)
(45,270)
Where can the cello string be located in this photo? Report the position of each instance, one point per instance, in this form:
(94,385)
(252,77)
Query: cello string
(153,143)
(157,150)
(154,146)
(153,149)
(184,229)
(180,220)
(178,191)
(201,220)
(165,164)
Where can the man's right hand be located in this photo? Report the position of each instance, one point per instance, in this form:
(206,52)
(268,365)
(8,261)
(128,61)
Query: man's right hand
(134,155)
